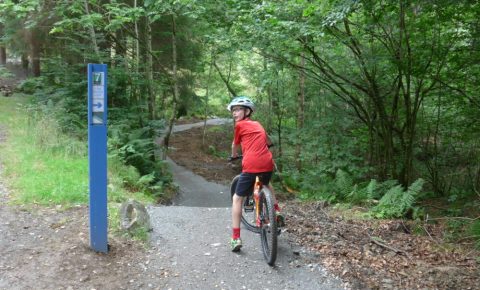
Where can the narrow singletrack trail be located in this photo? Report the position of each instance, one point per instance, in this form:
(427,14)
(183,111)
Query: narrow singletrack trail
(191,239)
(195,191)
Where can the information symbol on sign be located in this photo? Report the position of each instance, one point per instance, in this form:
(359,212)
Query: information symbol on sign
(97,78)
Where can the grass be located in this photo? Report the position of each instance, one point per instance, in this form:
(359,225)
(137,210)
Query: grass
(38,174)
(41,165)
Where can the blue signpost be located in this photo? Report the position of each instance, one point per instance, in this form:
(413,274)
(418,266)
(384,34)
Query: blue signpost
(97,155)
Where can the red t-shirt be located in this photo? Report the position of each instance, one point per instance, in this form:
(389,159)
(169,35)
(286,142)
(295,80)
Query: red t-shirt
(253,139)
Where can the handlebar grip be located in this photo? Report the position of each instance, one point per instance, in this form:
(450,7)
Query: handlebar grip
(230,159)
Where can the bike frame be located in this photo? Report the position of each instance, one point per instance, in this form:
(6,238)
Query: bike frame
(256,197)
(263,220)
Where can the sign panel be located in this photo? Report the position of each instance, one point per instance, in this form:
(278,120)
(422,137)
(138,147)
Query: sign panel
(98,105)
(97,155)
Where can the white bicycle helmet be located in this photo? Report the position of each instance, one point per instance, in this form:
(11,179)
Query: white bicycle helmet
(241,101)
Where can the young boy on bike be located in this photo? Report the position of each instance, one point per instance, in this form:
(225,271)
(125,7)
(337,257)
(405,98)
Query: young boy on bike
(257,160)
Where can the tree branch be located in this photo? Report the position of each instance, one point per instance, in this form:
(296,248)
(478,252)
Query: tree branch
(225,80)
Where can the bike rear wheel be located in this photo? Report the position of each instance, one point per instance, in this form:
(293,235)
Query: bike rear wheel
(248,214)
(268,226)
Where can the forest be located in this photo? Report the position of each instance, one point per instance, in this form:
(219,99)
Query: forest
(369,103)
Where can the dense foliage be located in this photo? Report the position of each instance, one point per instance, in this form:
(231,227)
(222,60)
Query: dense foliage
(369,102)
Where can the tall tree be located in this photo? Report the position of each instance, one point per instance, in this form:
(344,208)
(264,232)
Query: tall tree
(300,111)
(174,81)
(3,50)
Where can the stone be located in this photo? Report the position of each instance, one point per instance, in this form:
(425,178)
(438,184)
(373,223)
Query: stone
(134,215)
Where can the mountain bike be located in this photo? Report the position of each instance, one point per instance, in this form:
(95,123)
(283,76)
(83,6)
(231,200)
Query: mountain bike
(258,216)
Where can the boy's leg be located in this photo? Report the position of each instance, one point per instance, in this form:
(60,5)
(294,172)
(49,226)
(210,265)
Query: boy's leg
(244,187)
(236,242)
(236,210)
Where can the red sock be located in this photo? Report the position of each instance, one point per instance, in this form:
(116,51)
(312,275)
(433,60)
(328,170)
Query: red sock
(277,208)
(236,233)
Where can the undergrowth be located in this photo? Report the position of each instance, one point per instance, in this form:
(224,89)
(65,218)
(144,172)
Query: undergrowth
(45,166)
(390,200)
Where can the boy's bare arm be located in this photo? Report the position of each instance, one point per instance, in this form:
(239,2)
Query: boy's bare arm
(269,141)
(235,148)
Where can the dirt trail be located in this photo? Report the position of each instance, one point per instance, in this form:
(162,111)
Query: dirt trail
(194,189)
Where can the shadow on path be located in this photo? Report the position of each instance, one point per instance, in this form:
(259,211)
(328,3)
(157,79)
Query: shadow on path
(196,191)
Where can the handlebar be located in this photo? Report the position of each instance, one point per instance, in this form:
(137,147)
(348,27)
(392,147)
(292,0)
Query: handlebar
(230,159)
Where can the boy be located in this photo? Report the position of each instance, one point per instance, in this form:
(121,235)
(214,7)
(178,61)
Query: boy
(257,160)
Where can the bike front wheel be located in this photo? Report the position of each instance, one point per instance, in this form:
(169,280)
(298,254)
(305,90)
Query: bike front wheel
(248,211)
(268,229)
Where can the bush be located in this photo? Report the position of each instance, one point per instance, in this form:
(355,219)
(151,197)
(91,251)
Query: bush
(31,85)
(396,202)
(135,147)
(474,231)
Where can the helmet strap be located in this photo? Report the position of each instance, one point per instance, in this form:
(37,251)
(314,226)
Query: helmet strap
(249,112)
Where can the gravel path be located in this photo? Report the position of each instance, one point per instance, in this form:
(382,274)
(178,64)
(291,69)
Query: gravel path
(192,241)
(196,191)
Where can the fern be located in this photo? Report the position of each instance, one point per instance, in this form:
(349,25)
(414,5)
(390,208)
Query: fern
(145,180)
(381,188)
(343,184)
(356,195)
(361,195)
(397,202)
(371,187)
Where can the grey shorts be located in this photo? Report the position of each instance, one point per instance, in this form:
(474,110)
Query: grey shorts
(247,180)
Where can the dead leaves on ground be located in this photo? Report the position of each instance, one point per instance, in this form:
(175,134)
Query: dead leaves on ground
(381,254)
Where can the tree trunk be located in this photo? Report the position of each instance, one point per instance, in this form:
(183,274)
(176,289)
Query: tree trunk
(174,81)
(34,51)
(269,121)
(3,51)
(300,112)
(279,113)
(92,31)
(25,64)
(206,101)
(136,91)
(149,71)
(3,56)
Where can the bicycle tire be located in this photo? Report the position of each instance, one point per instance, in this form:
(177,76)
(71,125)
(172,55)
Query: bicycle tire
(248,217)
(269,226)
